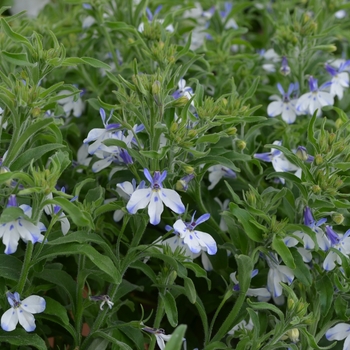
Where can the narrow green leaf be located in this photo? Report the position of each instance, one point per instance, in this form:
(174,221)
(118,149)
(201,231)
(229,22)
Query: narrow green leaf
(56,309)
(18,59)
(190,290)
(33,154)
(301,272)
(170,308)
(10,214)
(266,306)
(283,251)
(325,291)
(310,132)
(177,338)
(15,36)
(246,219)
(71,61)
(10,267)
(103,262)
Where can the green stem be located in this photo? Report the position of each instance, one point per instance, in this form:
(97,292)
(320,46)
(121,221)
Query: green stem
(157,320)
(79,299)
(25,267)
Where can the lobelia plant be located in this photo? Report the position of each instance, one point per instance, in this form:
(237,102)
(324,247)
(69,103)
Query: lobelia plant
(102,223)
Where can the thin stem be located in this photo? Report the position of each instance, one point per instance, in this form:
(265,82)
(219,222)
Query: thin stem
(157,320)
(25,267)
(79,298)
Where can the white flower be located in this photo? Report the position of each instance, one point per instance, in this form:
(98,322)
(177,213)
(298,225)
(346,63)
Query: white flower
(154,197)
(284,106)
(339,332)
(4,125)
(270,55)
(217,172)
(105,299)
(183,90)
(54,209)
(315,99)
(277,274)
(279,162)
(340,14)
(339,242)
(196,240)
(12,231)
(82,157)
(340,79)
(100,134)
(22,312)
(160,335)
(69,105)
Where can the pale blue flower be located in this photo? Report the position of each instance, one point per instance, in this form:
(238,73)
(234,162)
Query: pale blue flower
(340,79)
(150,16)
(284,106)
(217,172)
(105,299)
(22,312)
(183,90)
(339,332)
(196,240)
(12,231)
(339,242)
(69,105)
(154,197)
(315,99)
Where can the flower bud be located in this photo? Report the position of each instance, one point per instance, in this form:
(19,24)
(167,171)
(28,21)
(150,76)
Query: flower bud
(293,335)
(156,88)
(174,126)
(192,133)
(231,131)
(338,218)
(338,123)
(301,153)
(290,303)
(316,189)
(251,198)
(318,159)
(331,137)
(188,169)
(241,145)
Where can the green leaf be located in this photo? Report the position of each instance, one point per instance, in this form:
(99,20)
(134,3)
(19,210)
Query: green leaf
(18,59)
(10,214)
(310,132)
(33,154)
(212,138)
(156,155)
(301,272)
(217,345)
(19,337)
(177,338)
(283,251)
(246,219)
(60,279)
(112,340)
(56,309)
(72,61)
(245,268)
(266,306)
(190,289)
(15,36)
(212,160)
(10,267)
(79,217)
(199,271)
(103,262)
(170,307)
(325,291)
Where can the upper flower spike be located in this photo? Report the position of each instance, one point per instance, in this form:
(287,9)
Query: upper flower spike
(155,196)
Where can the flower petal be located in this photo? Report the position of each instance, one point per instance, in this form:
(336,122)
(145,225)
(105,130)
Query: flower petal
(206,241)
(9,320)
(275,108)
(172,200)
(139,200)
(33,304)
(338,332)
(10,238)
(155,208)
(26,320)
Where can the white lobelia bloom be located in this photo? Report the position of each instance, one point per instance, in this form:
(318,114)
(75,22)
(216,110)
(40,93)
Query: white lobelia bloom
(183,90)
(12,231)
(100,134)
(261,293)
(154,197)
(277,274)
(4,125)
(22,312)
(270,56)
(196,240)
(69,105)
(217,172)
(54,209)
(340,14)
(284,106)
(339,332)
(82,157)
(160,335)
(279,162)
(315,99)
(340,79)
(339,242)
(105,299)
(242,325)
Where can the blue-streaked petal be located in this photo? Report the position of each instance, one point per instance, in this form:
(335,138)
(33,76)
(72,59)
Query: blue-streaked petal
(9,320)
(206,241)
(172,200)
(207,265)
(10,238)
(266,157)
(202,218)
(329,262)
(148,175)
(155,208)
(102,164)
(139,200)
(338,332)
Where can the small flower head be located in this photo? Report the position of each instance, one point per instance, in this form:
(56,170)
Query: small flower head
(285,69)
(105,299)
(22,312)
